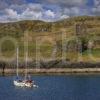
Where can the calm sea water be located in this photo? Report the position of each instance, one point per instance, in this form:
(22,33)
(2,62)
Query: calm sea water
(53,88)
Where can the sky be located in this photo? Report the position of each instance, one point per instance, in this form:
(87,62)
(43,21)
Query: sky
(46,10)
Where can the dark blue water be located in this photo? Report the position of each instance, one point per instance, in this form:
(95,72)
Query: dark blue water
(53,88)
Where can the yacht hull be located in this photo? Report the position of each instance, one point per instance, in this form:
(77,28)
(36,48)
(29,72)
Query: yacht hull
(19,84)
(24,84)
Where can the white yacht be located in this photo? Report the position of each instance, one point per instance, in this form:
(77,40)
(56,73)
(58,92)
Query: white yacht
(26,82)
(17,81)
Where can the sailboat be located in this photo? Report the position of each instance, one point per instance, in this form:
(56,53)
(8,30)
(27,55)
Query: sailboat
(18,81)
(26,82)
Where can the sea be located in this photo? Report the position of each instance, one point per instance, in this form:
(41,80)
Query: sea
(53,87)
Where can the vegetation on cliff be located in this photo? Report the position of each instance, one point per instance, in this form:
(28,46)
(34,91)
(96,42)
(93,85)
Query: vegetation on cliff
(53,39)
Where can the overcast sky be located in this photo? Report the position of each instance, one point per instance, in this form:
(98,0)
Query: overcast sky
(47,10)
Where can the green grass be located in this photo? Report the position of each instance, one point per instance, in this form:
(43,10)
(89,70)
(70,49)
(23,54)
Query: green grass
(94,52)
(17,30)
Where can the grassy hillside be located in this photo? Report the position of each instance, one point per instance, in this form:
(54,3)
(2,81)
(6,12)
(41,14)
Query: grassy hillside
(50,36)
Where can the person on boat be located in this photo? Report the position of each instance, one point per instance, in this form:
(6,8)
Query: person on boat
(18,79)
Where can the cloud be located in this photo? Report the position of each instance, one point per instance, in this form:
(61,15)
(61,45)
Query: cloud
(33,11)
(36,11)
(3,5)
(31,14)
(64,17)
(27,12)
(6,3)
(96,2)
(67,3)
(96,8)
(50,13)
(36,7)
(19,2)
(75,11)
(46,10)
(96,11)
(11,12)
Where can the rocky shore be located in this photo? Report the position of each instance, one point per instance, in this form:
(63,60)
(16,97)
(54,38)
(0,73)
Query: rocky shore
(51,67)
(55,71)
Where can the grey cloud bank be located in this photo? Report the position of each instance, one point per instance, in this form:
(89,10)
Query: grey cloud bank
(46,10)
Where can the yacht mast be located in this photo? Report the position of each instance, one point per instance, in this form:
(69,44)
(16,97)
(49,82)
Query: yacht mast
(17,61)
(26,72)
(26,52)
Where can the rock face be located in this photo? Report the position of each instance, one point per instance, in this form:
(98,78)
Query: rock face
(67,64)
(51,64)
(51,37)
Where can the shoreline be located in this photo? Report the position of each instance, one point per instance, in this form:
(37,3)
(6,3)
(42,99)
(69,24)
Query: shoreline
(53,71)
